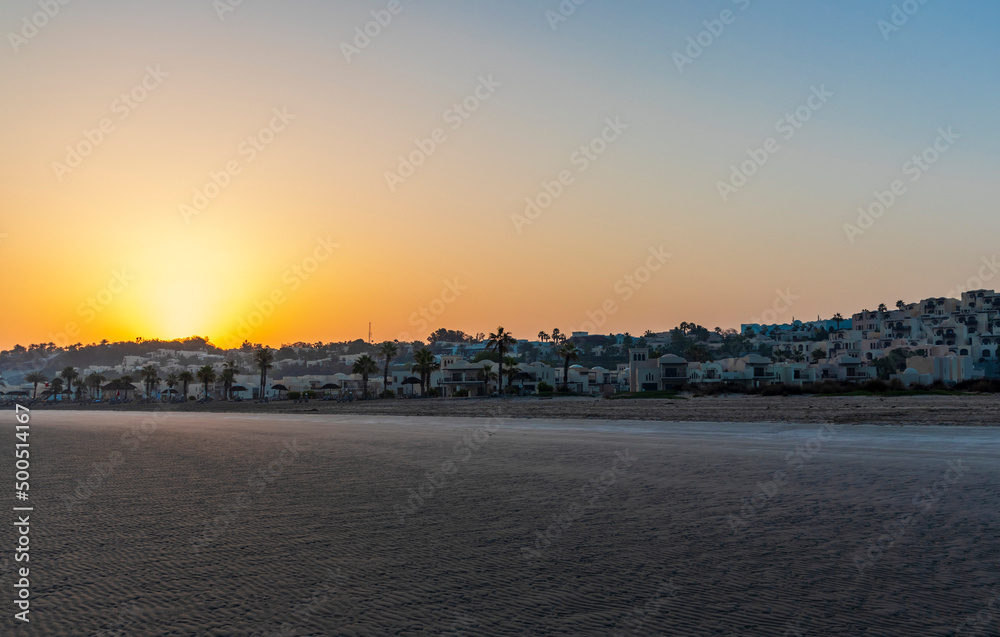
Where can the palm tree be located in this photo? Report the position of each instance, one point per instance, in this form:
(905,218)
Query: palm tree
(882,308)
(229,371)
(365,365)
(69,375)
(557,336)
(34,378)
(512,369)
(542,336)
(186,379)
(126,379)
(206,375)
(148,373)
(568,352)
(94,380)
(263,359)
(424,364)
(80,385)
(172,381)
(501,341)
(838,317)
(388,351)
(487,374)
(55,388)
(900,304)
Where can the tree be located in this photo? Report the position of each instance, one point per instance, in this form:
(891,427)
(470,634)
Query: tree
(696,353)
(501,341)
(512,369)
(148,374)
(69,375)
(263,358)
(365,365)
(486,374)
(882,308)
(206,375)
(900,304)
(228,377)
(838,317)
(542,336)
(94,380)
(388,351)
(817,354)
(80,386)
(568,352)
(55,388)
(34,378)
(424,364)
(186,379)
(172,381)
(557,336)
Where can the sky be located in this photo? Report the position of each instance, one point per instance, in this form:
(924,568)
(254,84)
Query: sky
(271,171)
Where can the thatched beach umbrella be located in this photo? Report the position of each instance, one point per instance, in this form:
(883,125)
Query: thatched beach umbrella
(411,380)
(329,387)
(279,388)
(118,385)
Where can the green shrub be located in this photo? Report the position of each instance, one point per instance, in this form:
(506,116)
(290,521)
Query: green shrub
(544,387)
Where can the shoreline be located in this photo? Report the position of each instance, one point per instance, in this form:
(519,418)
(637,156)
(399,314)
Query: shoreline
(968,410)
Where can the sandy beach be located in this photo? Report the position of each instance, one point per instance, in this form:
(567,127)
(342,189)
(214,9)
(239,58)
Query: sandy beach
(977,410)
(325,524)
